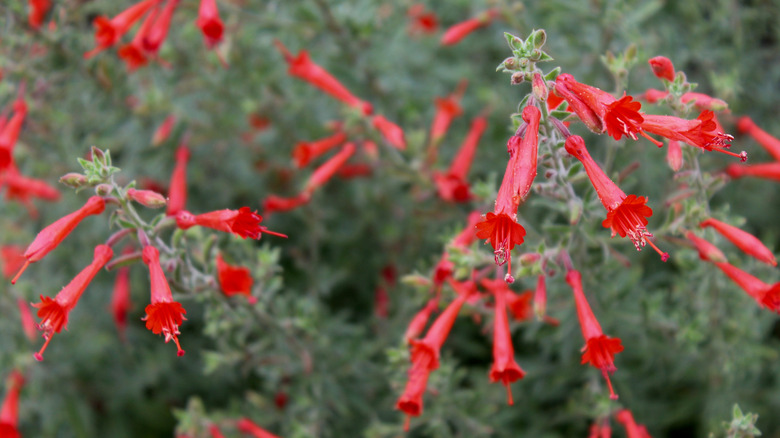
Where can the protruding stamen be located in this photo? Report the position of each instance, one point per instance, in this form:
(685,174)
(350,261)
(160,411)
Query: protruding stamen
(664,255)
(39,355)
(655,142)
(509,399)
(612,394)
(18,274)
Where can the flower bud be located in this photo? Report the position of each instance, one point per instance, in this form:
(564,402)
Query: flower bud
(510,63)
(147,198)
(103,189)
(539,37)
(517,78)
(662,68)
(674,156)
(539,87)
(73,180)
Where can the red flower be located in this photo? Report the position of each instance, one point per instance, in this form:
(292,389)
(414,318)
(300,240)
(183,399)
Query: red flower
(504,367)
(390,131)
(38,11)
(704,102)
(9,412)
(234,280)
(326,171)
(652,95)
(209,22)
(306,151)
(519,305)
(707,251)
(108,32)
(275,203)
(164,130)
(243,222)
(452,185)
(765,295)
(51,236)
(147,198)
(447,109)
(21,188)
(158,31)
(626,215)
(421,22)
(28,323)
(461,30)
(765,139)
(177,192)
(420,320)
(764,170)
(246,425)
(701,132)
(540,297)
(633,430)
(303,67)
(662,68)
(54,312)
(466,237)
(503,232)
(599,349)
(674,156)
(599,110)
(743,240)
(9,132)
(134,53)
(600,430)
(120,300)
(215,432)
(163,315)
(411,401)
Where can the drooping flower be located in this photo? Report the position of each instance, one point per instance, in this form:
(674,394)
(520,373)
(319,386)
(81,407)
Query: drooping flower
(390,131)
(626,215)
(51,236)
(769,171)
(242,222)
(301,66)
(147,198)
(38,11)
(504,368)
(674,156)
(164,130)
(234,280)
(662,68)
(701,132)
(411,401)
(9,412)
(134,52)
(599,110)
(54,312)
(704,102)
(600,429)
(633,430)
(163,315)
(420,320)
(22,189)
(158,32)
(215,432)
(447,109)
(326,171)
(765,295)
(599,349)
(707,251)
(177,191)
(455,33)
(743,240)
(120,300)
(246,425)
(209,23)
(772,144)
(108,32)
(275,203)
(306,151)
(452,185)
(9,132)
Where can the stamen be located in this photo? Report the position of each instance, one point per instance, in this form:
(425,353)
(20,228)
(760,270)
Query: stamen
(664,255)
(612,394)
(39,355)
(16,277)
(654,141)
(742,155)
(509,399)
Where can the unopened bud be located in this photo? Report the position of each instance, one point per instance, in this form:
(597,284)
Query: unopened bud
(674,156)
(73,180)
(510,63)
(662,68)
(539,37)
(539,87)
(103,189)
(147,198)
(517,78)
(97,155)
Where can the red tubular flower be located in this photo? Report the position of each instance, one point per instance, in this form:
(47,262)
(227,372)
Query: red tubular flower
(599,110)
(54,312)
(302,67)
(701,132)
(411,401)
(164,130)
(452,185)
(504,367)
(163,315)
(134,53)
(234,280)
(707,251)
(704,102)
(22,189)
(306,151)
(28,323)
(120,300)
(466,237)
(662,68)
(769,171)
(633,430)
(242,222)
(765,295)
(246,425)
(9,132)
(600,430)
(177,192)
(147,198)
(540,297)
(275,203)
(108,32)
(626,215)
(326,171)
(38,11)
(158,31)
(743,240)
(390,131)
(674,156)
(766,140)
(9,412)
(447,109)
(215,432)
(51,236)
(420,320)
(652,95)
(599,349)
(354,170)
(455,33)
(209,23)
